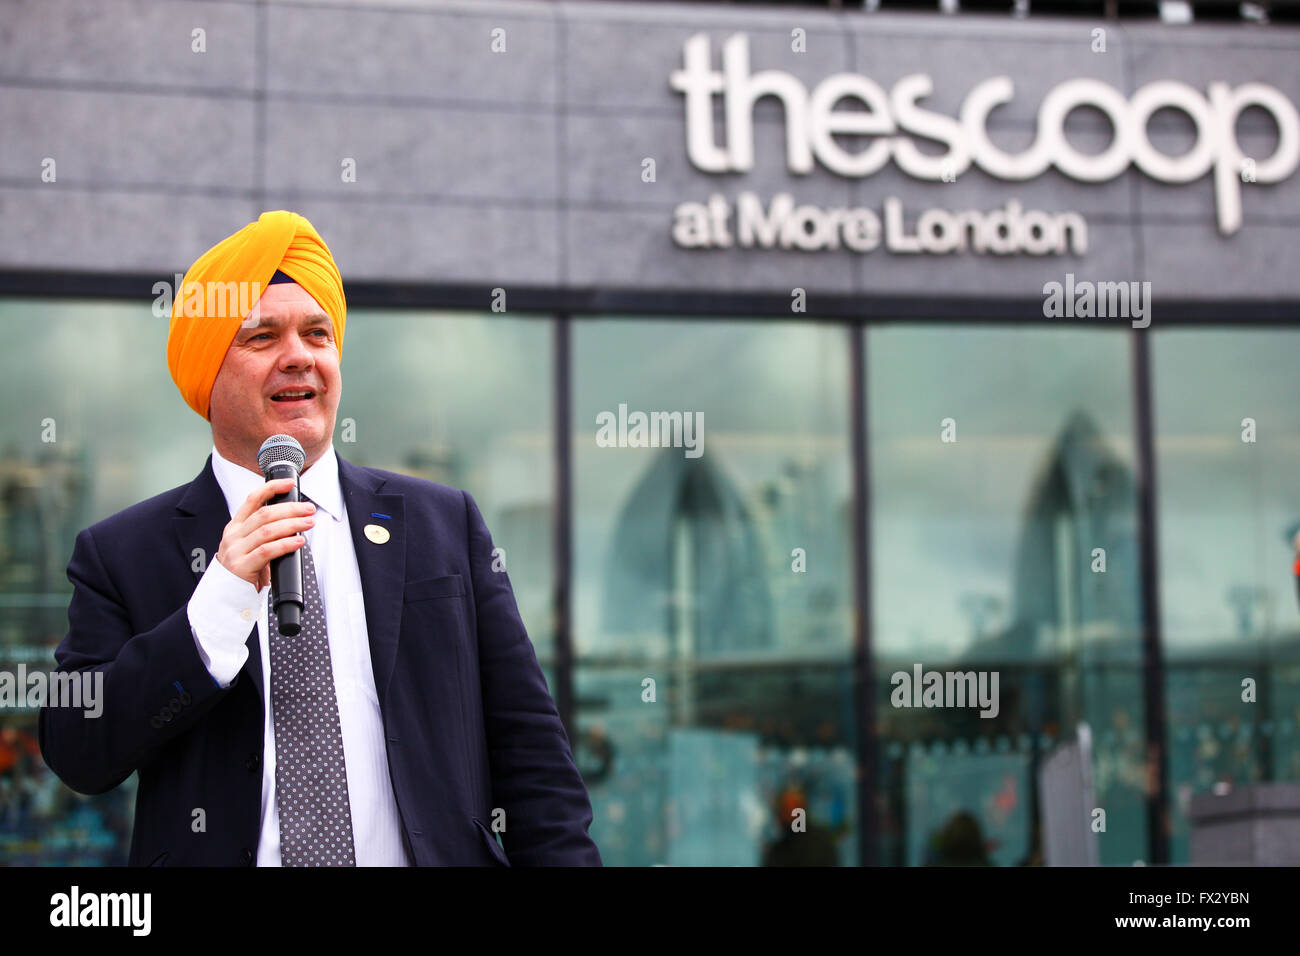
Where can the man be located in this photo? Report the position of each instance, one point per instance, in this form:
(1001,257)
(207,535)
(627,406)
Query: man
(406,724)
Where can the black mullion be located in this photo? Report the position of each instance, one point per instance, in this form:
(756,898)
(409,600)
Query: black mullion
(864,683)
(563,529)
(1153,677)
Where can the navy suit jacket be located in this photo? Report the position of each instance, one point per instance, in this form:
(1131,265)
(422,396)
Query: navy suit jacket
(469,722)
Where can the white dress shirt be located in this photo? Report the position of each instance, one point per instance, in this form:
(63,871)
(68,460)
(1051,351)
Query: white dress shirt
(221,612)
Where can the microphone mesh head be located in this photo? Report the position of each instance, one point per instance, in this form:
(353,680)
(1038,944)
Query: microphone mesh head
(280,448)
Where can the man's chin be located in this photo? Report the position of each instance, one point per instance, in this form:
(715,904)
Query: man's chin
(306,428)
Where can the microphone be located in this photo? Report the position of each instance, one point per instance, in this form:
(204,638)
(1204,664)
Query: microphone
(282,457)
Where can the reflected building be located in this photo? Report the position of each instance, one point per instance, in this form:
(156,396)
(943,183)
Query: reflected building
(1078,527)
(44,501)
(701,588)
(1069,653)
(687,561)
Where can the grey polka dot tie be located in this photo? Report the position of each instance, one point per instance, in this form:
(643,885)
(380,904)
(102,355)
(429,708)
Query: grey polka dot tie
(311,779)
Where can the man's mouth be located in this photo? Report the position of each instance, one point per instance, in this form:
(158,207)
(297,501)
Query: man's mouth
(293,396)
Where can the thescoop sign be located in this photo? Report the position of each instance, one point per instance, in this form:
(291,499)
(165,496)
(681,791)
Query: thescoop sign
(894,117)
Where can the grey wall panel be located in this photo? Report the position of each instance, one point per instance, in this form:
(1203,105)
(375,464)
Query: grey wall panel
(616,63)
(1259,56)
(1053,191)
(433,52)
(632,248)
(433,241)
(1276,204)
(1262,263)
(1111,257)
(525,166)
(958,60)
(468,154)
(112,230)
(145,42)
(605,154)
(107,139)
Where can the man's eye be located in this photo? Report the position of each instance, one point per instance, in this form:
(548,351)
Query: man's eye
(259,335)
(321,331)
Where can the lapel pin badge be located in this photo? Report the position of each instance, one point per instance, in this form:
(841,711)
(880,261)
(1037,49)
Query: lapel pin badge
(377,533)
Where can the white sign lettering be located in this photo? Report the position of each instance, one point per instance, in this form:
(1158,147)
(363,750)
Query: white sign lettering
(812,121)
(785,225)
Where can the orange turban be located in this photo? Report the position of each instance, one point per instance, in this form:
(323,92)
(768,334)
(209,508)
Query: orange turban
(222,286)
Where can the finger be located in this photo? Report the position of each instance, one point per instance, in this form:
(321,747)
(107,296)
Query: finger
(262,556)
(266,553)
(273,513)
(269,513)
(241,555)
(275,530)
(254,500)
(260,495)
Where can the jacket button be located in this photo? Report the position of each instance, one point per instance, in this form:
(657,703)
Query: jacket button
(252,762)
(174,705)
(155,722)
(246,856)
(166,715)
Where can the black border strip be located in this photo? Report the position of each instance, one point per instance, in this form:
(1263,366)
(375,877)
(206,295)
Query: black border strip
(685,303)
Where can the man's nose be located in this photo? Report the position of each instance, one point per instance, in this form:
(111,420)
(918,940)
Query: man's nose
(294,353)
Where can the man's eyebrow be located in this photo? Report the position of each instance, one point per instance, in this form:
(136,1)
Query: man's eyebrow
(319,318)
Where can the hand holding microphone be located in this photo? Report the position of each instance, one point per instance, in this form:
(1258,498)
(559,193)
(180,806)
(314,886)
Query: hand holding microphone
(261,542)
(256,534)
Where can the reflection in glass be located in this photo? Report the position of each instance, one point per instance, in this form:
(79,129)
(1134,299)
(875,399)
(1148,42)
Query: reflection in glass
(92,424)
(1227,452)
(1004,542)
(465,400)
(712,595)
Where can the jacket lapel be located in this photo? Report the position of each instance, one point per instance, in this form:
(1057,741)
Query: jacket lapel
(382,565)
(203,517)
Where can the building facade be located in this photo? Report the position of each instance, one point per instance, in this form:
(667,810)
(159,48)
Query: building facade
(789,353)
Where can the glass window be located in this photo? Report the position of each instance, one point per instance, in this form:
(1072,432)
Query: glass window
(466,400)
(93,424)
(1004,544)
(712,591)
(1229,507)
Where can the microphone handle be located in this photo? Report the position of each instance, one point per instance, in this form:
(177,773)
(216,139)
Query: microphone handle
(286,570)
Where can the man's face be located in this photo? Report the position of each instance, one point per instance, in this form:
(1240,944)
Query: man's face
(286,343)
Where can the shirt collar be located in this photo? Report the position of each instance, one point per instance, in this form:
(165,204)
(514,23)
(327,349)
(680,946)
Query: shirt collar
(320,482)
